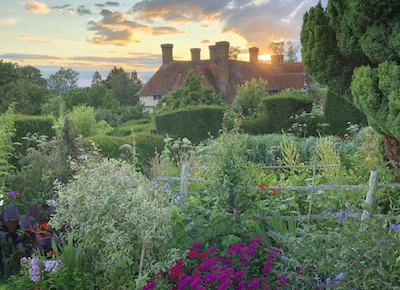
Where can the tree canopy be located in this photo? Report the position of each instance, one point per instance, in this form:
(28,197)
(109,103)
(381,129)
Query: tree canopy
(354,48)
(191,93)
(60,82)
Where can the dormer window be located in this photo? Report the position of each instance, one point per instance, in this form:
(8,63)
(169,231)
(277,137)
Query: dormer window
(157,97)
(214,70)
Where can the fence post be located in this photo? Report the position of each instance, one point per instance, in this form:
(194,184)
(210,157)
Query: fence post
(373,183)
(184,183)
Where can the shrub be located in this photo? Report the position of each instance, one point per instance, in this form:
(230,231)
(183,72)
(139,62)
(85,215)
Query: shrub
(147,144)
(125,130)
(117,217)
(339,112)
(283,105)
(31,124)
(193,122)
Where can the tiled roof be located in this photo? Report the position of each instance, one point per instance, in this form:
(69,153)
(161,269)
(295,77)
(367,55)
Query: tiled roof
(280,76)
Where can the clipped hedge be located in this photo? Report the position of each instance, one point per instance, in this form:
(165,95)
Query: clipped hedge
(338,112)
(192,122)
(43,125)
(147,144)
(281,107)
(122,131)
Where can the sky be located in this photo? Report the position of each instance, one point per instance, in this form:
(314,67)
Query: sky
(90,36)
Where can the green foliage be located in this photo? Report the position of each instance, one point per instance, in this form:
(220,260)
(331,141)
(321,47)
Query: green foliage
(33,75)
(194,122)
(54,107)
(60,82)
(7,131)
(339,112)
(233,52)
(8,72)
(115,213)
(84,120)
(118,147)
(190,94)
(281,106)
(124,130)
(28,96)
(31,124)
(250,95)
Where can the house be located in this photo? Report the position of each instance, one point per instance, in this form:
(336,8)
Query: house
(221,74)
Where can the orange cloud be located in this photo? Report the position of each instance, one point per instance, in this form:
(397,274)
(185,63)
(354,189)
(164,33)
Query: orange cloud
(36,7)
(25,36)
(8,21)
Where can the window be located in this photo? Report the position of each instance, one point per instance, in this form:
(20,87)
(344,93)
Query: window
(157,98)
(214,70)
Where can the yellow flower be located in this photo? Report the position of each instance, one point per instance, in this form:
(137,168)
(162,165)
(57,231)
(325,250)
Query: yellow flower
(301,164)
(198,172)
(262,174)
(189,183)
(192,199)
(356,168)
(367,159)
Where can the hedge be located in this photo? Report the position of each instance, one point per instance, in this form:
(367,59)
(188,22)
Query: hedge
(192,122)
(126,130)
(277,111)
(43,125)
(147,144)
(338,112)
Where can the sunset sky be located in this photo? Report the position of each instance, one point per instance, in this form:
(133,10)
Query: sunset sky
(94,35)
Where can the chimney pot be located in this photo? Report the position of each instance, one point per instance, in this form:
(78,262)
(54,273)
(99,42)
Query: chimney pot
(166,53)
(195,53)
(253,52)
(223,66)
(213,52)
(277,59)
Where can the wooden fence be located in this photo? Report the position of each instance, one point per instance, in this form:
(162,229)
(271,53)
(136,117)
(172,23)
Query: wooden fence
(313,190)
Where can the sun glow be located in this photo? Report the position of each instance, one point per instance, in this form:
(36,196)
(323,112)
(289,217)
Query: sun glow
(264,57)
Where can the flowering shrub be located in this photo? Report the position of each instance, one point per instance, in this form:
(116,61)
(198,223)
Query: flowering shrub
(257,265)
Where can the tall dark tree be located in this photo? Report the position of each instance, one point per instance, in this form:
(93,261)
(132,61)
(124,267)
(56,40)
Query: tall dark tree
(233,52)
(354,48)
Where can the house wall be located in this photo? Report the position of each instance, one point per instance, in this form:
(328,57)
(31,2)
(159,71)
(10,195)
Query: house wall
(149,102)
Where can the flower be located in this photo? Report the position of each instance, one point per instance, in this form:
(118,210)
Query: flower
(12,194)
(339,278)
(395,227)
(212,250)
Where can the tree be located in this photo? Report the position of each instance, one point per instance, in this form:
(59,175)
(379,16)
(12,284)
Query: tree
(8,72)
(277,48)
(233,52)
(97,79)
(60,82)
(250,95)
(291,52)
(191,93)
(33,75)
(354,48)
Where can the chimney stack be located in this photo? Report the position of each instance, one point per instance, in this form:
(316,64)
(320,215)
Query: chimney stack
(195,53)
(223,66)
(213,52)
(277,59)
(253,52)
(166,53)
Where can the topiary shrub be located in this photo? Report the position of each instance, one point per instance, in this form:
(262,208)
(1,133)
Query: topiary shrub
(338,112)
(125,130)
(192,122)
(281,106)
(147,144)
(117,216)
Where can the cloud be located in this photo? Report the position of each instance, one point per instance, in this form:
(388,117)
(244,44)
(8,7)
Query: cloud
(116,30)
(61,7)
(25,36)
(42,41)
(27,56)
(108,3)
(83,11)
(205,41)
(71,12)
(257,22)
(8,21)
(36,7)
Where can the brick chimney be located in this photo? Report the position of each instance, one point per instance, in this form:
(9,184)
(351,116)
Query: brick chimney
(166,53)
(195,53)
(213,52)
(222,66)
(253,52)
(277,59)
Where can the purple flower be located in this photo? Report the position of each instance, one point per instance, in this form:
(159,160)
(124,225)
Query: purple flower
(267,267)
(11,194)
(256,239)
(149,286)
(338,278)
(212,250)
(395,227)
(195,246)
(254,284)
(196,283)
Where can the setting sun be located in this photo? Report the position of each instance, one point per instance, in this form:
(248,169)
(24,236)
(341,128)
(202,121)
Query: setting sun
(264,57)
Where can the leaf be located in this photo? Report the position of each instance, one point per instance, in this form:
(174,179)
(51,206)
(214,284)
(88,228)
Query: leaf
(302,177)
